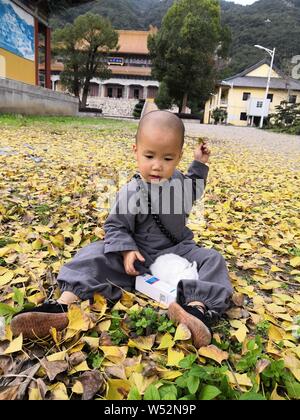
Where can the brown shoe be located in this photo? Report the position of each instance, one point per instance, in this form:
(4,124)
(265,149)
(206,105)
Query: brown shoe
(37,322)
(194,319)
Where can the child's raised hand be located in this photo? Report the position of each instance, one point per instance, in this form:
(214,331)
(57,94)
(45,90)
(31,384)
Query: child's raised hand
(129,257)
(202,152)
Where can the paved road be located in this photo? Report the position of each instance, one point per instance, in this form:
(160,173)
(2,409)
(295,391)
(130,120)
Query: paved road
(252,138)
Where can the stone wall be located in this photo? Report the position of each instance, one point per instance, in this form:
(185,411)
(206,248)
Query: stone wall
(22,98)
(113,107)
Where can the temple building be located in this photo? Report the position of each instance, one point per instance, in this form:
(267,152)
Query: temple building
(130,80)
(130,66)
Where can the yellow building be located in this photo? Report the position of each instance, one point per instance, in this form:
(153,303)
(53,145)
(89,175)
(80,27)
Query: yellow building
(242,95)
(23,23)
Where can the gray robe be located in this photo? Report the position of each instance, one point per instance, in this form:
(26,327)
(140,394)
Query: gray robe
(99,267)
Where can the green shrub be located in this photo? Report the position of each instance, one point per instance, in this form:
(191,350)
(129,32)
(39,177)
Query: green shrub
(138,108)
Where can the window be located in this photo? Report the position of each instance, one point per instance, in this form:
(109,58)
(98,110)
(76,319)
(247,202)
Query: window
(136,93)
(271,96)
(94,89)
(120,93)
(246,96)
(244,116)
(259,104)
(109,92)
(292,99)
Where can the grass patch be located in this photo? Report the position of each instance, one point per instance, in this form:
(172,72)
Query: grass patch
(12,120)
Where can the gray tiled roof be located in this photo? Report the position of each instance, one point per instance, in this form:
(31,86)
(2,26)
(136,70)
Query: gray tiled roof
(261,82)
(242,80)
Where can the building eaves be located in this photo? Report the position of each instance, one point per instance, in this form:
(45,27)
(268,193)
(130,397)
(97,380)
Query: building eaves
(254,67)
(261,82)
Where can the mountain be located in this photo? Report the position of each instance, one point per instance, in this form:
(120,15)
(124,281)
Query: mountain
(271,23)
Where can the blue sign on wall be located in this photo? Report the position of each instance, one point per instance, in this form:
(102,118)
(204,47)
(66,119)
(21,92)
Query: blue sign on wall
(116,60)
(16,30)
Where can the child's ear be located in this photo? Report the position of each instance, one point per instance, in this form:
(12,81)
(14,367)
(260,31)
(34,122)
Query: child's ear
(134,148)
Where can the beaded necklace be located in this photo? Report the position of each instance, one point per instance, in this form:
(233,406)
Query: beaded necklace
(155,217)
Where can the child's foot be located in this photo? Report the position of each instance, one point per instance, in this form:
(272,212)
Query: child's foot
(195,320)
(37,322)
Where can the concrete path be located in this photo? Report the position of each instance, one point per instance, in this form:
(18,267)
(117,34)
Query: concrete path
(149,106)
(251,138)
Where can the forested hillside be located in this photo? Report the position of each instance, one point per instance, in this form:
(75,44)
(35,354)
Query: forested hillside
(271,23)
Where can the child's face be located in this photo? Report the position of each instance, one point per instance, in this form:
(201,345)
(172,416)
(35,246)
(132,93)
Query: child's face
(157,154)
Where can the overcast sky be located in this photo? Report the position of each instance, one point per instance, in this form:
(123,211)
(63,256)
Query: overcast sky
(244,2)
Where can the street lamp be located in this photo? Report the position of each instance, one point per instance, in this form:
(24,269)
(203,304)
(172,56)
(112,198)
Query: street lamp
(272,54)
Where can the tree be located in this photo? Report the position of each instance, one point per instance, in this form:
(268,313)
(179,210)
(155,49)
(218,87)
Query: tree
(183,51)
(219,115)
(138,108)
(83,47)
(163,99)
(287,114)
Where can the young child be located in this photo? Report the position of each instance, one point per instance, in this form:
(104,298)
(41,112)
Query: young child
(135,238)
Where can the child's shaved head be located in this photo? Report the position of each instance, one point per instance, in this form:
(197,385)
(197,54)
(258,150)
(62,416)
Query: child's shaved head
(165,121)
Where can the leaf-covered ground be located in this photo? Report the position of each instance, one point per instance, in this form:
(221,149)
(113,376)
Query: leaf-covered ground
(50,185)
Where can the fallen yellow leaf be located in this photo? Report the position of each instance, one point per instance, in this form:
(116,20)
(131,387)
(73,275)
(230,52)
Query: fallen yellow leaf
(34,395)
(275,269)
(104,325)
(271,307)
(141,382)
(57,356)
(59,391)
(15,345)
(214,353)
(174,357)
(6,278)
(169,374)
(166,342)
(100,304)
(77,388)
(274,396)
(276,333)
(78,320)
(238,379)
(182,333)
(82,367)
(117,389)
(114,354)
(295,262)
(292,363)
(270,285)
(92,342)
(142,343)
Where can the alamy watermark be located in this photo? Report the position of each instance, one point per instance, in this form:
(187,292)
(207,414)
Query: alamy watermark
(296,68)
(296,327)
(175,196)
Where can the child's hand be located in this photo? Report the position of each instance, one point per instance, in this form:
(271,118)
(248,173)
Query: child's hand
(202,153)
(129,257)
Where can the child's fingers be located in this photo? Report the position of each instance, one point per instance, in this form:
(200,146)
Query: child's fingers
(206,149)
(131,269)
(140,257)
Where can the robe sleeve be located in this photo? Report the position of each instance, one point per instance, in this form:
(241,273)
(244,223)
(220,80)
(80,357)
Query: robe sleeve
(119,227)
(198,170)
(197,173)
